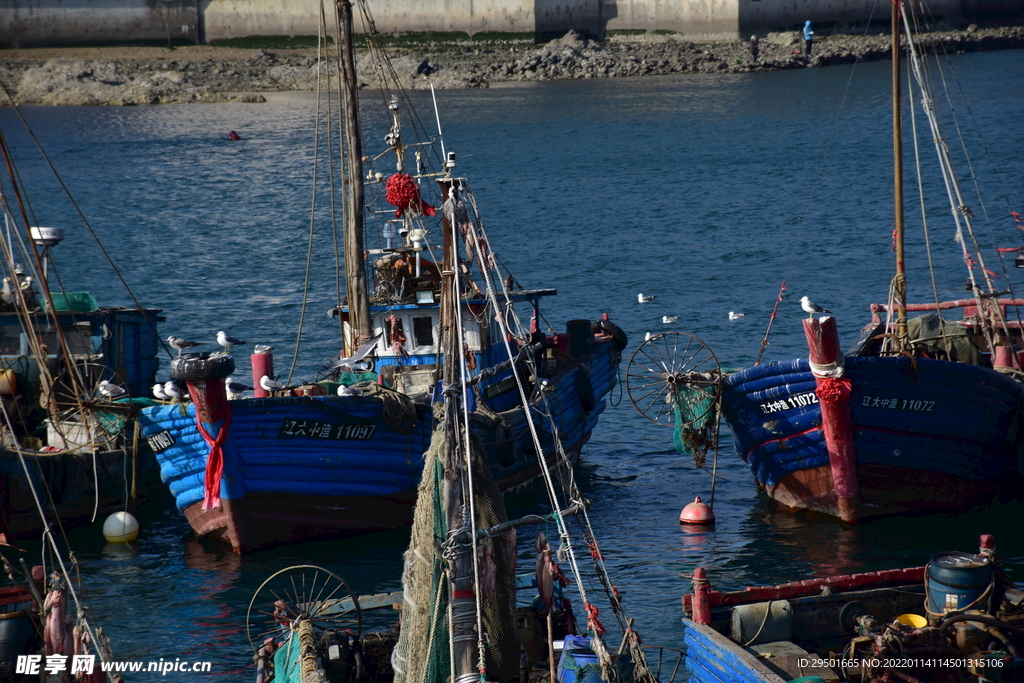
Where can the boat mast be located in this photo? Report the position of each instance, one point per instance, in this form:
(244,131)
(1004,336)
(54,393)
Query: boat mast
(355,268)
(897,166)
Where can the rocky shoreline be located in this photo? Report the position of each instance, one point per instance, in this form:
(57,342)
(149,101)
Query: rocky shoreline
(149,75)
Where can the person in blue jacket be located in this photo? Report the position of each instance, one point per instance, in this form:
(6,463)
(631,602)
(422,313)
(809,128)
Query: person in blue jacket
(808,37)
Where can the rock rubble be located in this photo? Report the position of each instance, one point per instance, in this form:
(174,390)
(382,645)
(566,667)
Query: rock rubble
(130,76)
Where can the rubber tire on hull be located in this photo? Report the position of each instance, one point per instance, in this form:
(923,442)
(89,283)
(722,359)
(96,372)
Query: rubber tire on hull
(616,333)
(199,367)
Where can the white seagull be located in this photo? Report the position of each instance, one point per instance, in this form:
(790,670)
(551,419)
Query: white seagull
(174,391)
(811,308)
(345,390)
(733,315)
(262,349)
(227,342)
(234,388)
(181,344)
(270,385)
(111,390)
(647,337)
(668,319)
(158,392)
(644,299)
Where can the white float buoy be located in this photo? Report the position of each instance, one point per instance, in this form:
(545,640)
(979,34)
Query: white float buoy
(121,527)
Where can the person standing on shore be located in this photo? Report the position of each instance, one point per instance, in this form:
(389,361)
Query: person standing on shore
(808,37)
(754,47)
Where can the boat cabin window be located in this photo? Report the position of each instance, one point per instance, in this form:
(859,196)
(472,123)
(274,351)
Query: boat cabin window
(423,331)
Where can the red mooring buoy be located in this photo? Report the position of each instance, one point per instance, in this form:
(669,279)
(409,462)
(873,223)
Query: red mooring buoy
(233,135)
(697,512)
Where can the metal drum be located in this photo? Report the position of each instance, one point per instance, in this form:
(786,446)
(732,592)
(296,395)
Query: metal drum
(955,580)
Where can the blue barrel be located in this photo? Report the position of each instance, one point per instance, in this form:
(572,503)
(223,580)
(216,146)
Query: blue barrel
(955,580)
(579,666)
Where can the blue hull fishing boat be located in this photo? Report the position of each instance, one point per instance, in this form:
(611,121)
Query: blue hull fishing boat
(922,414)
(928,434)
(952,620)
(343,452)
(68,368)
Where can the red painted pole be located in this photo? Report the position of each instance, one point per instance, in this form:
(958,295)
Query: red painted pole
(700,603)
(833,392)
(262,364)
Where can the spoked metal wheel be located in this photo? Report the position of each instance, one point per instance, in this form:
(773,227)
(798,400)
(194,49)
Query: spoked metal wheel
(80,411)
(303,591)
(670,373)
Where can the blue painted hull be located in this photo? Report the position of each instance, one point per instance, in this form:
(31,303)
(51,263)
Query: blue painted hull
(943,439)
(713,658)
(300,468)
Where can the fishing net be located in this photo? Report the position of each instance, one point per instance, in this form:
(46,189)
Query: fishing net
(422,653)
(696,412)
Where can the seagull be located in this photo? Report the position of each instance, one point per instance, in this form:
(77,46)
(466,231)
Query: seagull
(227,342)
(270,385)
(158,392)
(360,354)
(8,292)
(647,337)
(181,344)
(733,315)
(667,319)
(234,388)
(345,390)
(111,390)
(262,349)
(644,299)
(811,308)
(174,391)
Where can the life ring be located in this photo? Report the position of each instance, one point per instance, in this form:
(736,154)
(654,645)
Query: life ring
(199,367)
(612,330)
(585,390)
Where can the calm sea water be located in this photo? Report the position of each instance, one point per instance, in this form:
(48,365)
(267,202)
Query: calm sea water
(707,192)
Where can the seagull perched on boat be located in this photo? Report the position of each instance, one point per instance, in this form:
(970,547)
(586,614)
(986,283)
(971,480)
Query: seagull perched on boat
(345,390)
(8,292)
(270,385)
(668,319)
(111,390)
(234,388)
(227,342)
(361,353)
(644,299)
(175,391)
(811,308)
(158,392)
(647,337)
(181,344)
(263,349)
(733,315)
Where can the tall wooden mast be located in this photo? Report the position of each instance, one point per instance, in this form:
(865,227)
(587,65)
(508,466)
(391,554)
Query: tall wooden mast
(897,165)
(355,267)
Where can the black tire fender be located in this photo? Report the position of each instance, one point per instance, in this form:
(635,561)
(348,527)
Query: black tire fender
(614,331)
(585,390)
(200,367)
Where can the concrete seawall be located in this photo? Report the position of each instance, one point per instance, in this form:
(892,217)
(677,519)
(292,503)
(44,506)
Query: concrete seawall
(26,23)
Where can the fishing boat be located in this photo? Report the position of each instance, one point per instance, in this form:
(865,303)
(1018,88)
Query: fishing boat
(919,415)
(342,453)
(68,370)
(954,619)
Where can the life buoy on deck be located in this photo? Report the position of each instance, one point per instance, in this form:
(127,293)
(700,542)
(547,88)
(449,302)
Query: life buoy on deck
(609,328)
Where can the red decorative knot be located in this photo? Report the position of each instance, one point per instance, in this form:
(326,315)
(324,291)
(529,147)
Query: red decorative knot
(592,620)
(834,389)
(403,193)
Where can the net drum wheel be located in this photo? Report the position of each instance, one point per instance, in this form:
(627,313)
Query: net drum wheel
(667,363)
(303,591)
(79,410)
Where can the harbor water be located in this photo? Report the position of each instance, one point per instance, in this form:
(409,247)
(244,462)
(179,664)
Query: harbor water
(707,192)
